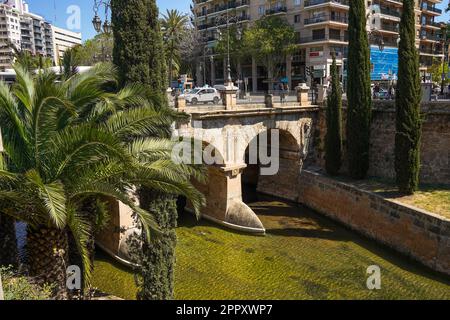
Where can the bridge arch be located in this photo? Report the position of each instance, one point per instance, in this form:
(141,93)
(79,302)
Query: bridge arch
(280,177)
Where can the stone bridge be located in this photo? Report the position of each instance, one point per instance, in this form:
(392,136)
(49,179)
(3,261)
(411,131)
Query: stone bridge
(228,137)
(236,137)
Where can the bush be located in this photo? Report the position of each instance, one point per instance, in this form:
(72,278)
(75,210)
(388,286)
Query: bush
(19,287)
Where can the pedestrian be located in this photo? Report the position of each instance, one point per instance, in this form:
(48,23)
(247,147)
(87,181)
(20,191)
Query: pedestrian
(282,93)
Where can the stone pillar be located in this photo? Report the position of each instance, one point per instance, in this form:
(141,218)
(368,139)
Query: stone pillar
(180,103)
(322,93)
(302,94)
(268,100)
(254,75)
(229,96)
(224,203)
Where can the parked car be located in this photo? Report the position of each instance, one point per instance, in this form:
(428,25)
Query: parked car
(203,95)
(382,95)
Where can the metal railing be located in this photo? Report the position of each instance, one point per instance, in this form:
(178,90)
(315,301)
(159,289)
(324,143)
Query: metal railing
(310,3)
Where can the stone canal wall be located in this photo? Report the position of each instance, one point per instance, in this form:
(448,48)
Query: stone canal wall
(420,235)
(435,153)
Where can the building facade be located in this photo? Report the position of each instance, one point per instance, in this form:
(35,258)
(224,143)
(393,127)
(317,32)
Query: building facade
(32,33)
(321,29)
(62,40)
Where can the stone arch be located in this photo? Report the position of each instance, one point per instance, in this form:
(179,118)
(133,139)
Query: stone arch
(286,163)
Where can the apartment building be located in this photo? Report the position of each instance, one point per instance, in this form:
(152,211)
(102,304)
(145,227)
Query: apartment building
(62,40)
(30,32)
(10,33)
(321,28)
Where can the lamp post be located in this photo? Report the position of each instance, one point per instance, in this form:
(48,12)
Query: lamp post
(104,28)
(228,20)
(376,36)
(444,58)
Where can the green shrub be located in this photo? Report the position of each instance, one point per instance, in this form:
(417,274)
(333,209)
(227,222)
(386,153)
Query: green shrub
(19,287)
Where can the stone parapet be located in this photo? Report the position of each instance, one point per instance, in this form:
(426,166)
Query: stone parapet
(421,235)
(435,150)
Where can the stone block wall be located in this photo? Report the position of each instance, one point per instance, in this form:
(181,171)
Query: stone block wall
(435,152)
(420,235)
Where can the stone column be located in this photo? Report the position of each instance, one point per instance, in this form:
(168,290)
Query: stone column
(302,94)
(229,96)
(254,75)
(180,103)
(224,203)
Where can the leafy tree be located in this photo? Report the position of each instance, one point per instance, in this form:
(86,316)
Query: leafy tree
(192,47)
(358,92)
(333,140)
(174,26)
(409,126)
(98,49)
(437,69)
(269,40)
(65,142)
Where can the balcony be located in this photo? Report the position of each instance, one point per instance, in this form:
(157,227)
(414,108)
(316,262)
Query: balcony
(390,12)
(427,7)
(326,18)
(425,36)
(232,5)
(310,3)
(323,38)
(276,10)
(390,28)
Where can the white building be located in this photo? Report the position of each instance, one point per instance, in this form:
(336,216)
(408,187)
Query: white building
(62,40)
(32,33)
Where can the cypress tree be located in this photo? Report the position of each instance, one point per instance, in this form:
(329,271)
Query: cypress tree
(358,93)
(138,44)
(333,139)
(139,55)
(408,122)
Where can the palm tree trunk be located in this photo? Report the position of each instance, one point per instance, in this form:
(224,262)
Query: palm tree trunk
(8,242)
(48,256)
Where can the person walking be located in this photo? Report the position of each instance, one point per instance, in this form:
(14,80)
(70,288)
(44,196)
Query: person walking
(282,93)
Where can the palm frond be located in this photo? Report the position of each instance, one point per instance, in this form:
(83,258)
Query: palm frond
(52,196)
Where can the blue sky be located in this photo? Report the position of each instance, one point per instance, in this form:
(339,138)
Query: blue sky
(55,11)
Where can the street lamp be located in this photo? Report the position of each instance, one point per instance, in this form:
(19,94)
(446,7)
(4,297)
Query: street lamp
(97,21)
(228,20)
(376,36)
(100,26)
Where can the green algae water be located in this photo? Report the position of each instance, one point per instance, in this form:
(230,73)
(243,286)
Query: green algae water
(303,256)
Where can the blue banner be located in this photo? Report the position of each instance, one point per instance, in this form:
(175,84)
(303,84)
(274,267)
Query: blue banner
(384,63)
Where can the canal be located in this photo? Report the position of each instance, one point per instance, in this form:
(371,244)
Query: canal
(303,256)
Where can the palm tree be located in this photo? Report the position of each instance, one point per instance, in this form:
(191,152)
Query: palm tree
(174,28)
(66,142)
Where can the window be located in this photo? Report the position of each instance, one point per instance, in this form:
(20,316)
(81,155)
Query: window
(297,2)
(297,18)
(318,34)
(261,10)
